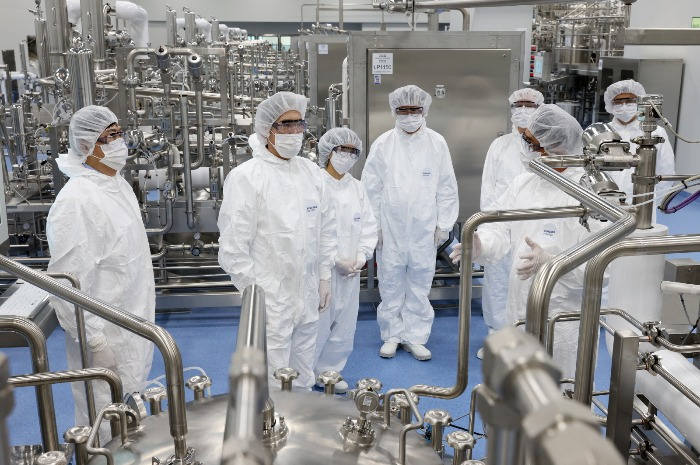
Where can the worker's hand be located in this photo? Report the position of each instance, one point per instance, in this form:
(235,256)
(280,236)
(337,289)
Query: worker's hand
(359,263)
(440,237)
(324,293)
(104,359)
(345,267)
(533,260)
(456,254)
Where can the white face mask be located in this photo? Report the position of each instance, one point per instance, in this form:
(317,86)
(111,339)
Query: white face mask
(526,156)
(342,163)
(288,145)
(115,154)
(409,123)
(625,112)
(521,115)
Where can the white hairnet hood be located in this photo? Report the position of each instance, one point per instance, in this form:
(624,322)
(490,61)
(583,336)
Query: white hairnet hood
(274,107)
(557,131)
(627,86)
(334,138)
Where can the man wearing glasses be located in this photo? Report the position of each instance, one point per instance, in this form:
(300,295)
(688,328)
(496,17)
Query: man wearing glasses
(550,131)
(413,191)
(278,231)
(95,232)
(621,102)
(505,160)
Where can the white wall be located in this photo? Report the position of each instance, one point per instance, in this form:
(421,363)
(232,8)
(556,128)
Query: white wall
(15,24)
(676,14)
(512,18)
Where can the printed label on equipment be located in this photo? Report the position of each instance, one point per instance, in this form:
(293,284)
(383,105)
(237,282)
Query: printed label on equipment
(382,63)
(323,49)
(377,78)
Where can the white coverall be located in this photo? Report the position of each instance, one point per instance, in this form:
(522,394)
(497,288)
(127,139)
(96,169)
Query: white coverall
(357,235)
(413,190)
(96,233)
(665,161)
(278,231)
(503,163)
(529,191)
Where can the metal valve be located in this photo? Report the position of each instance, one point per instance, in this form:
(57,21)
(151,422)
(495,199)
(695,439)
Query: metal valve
(154,396)
(404,407)
(198,384)
(78,435)
(55,457)
(329,379)
(372,384)
(438,419)
(460,441)
(359,431)
(286,376)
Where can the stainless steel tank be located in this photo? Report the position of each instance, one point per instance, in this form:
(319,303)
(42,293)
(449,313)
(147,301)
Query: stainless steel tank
(314,421)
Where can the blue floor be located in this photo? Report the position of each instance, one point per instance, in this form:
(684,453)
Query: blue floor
(206,338)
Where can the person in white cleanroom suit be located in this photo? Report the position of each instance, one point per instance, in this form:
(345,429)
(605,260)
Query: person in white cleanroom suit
(96,233)
(357,237)
(278,231)
(413,191)
(505,160)
(550,131)
(621,102)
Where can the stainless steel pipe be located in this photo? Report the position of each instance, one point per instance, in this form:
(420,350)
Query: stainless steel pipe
(592,291)
(161,338)
(40,364)
(248,378)
(545,279)
(465,288)
(186,164)
(69,376)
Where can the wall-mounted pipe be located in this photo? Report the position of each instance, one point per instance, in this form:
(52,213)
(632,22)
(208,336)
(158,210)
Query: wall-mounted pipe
(161,338)
(40,364)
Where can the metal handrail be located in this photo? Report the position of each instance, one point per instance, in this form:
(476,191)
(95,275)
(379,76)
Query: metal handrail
(160,337)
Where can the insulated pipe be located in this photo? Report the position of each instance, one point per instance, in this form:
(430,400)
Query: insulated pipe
(187,168)
(545,279)
(465,287)
(160,337)
(592,291)
(40,364)
(70,376)
(139,21)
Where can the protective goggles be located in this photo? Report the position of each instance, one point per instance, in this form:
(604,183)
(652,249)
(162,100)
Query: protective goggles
(529,145)
(524,105)
(111,137)
(409,111)
(623,101)
(290,127)
(347,151)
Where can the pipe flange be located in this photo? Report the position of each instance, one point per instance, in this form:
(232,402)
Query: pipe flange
(355,432)
(276,436)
